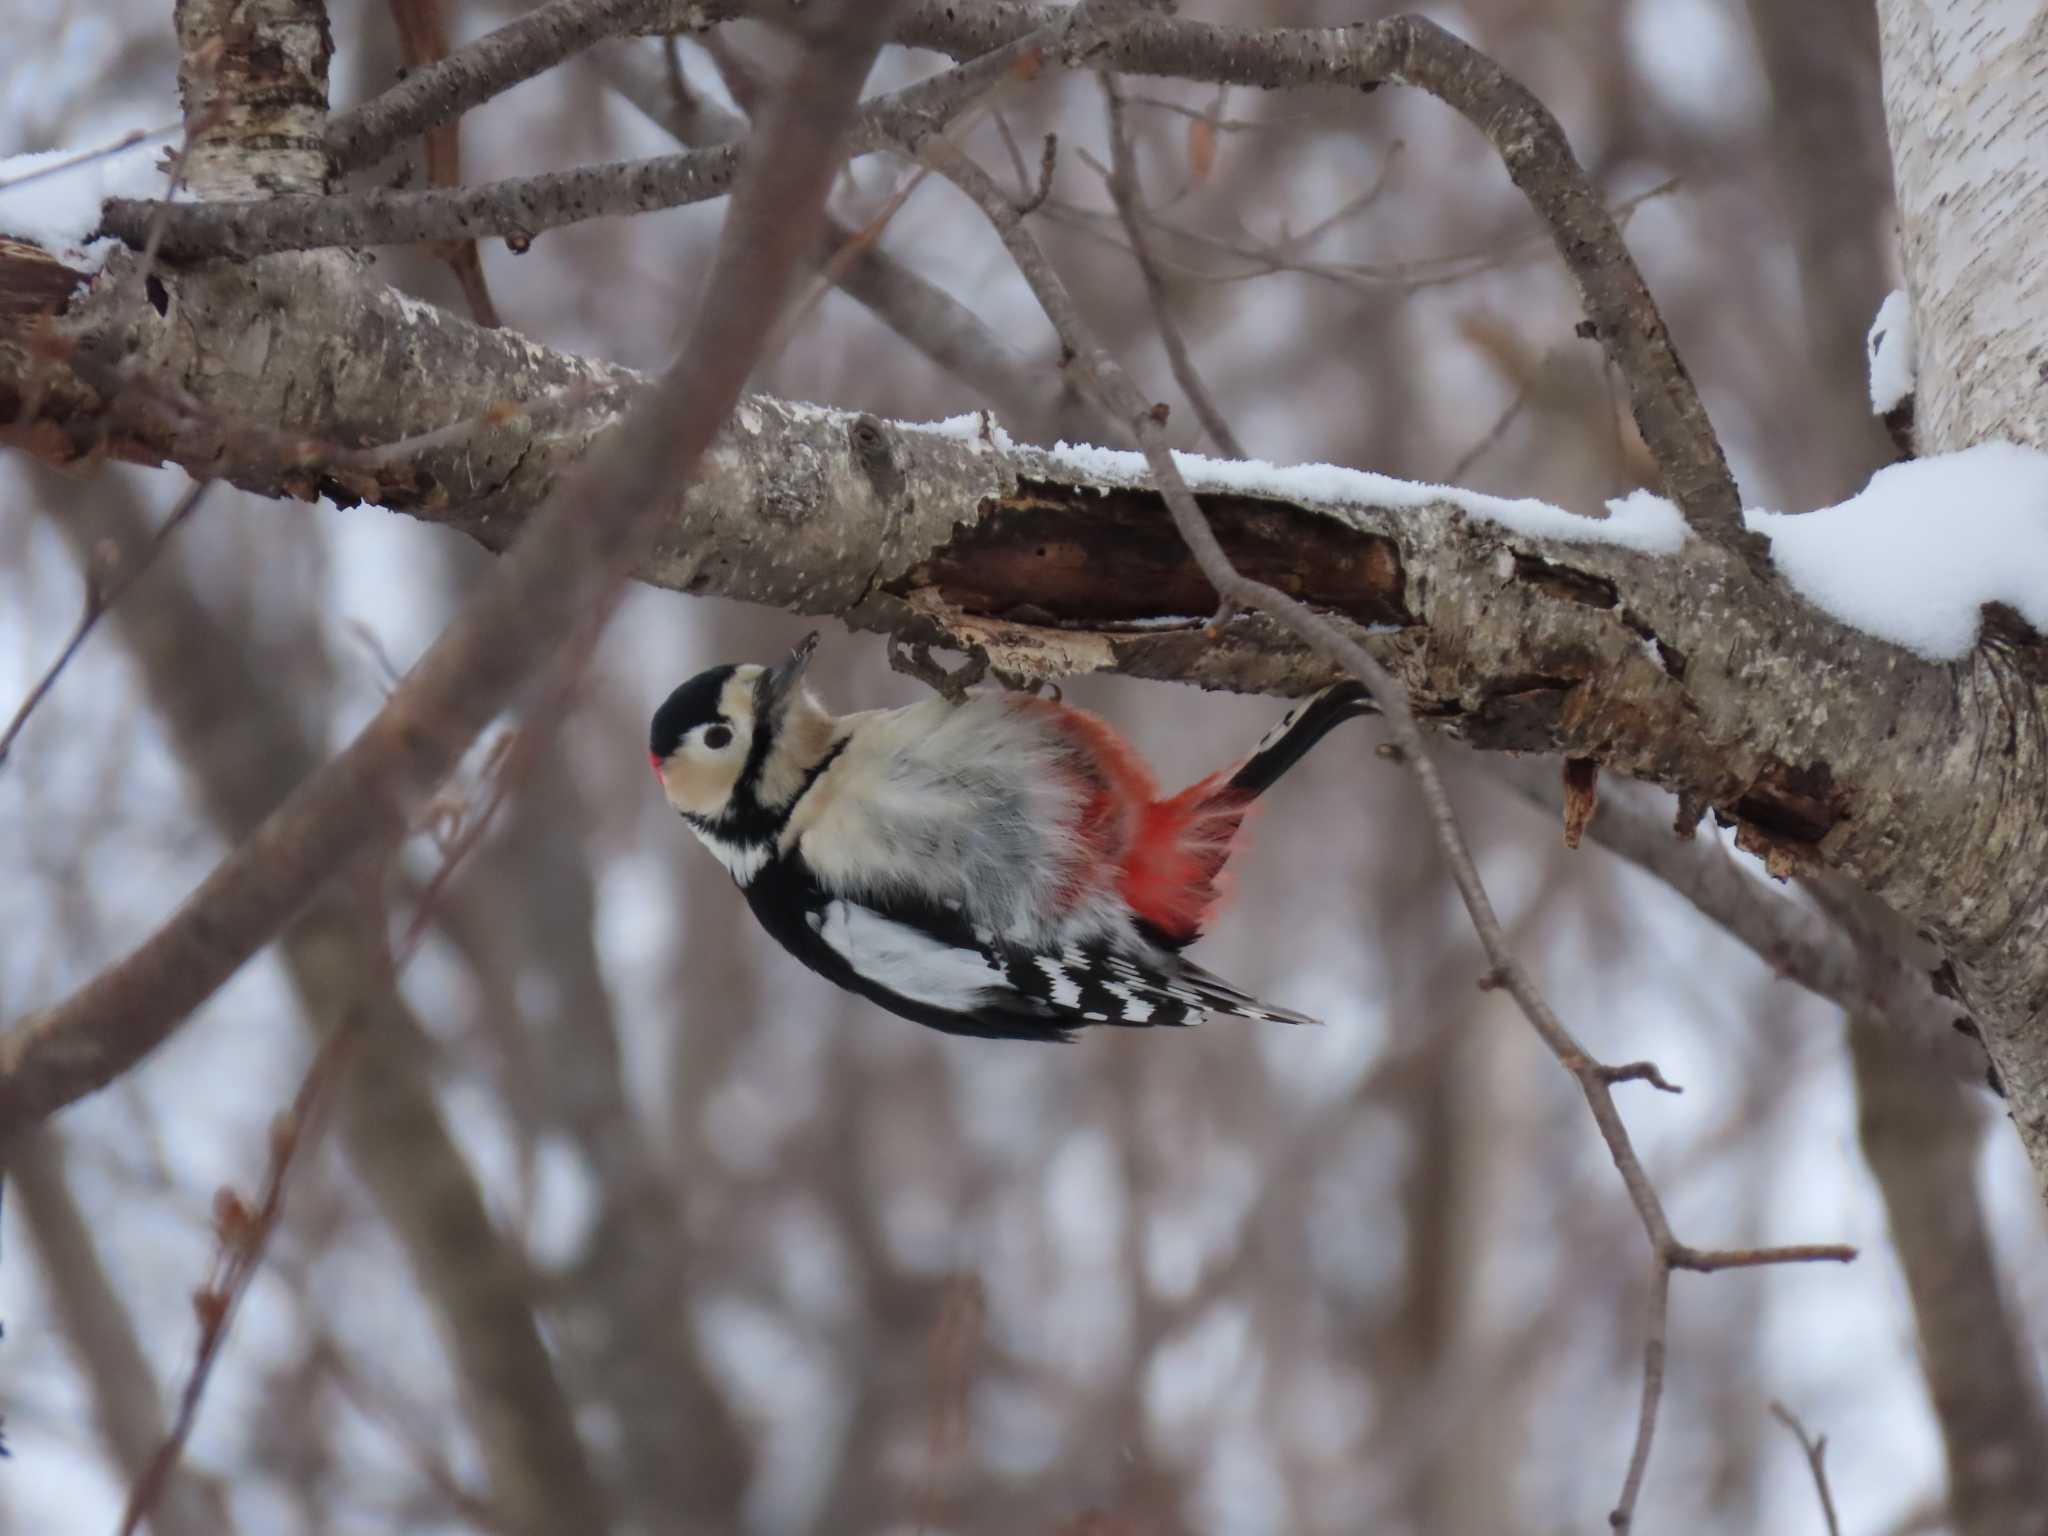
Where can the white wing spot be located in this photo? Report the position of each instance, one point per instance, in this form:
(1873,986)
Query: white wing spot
(907,960)
(1066,991)
(1136,1009)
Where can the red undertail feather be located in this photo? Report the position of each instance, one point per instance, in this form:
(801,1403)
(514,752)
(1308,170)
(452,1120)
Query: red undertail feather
(1174,876)
(1168,854)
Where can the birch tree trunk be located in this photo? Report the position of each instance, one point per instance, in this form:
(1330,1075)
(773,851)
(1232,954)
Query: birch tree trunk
(1966,103)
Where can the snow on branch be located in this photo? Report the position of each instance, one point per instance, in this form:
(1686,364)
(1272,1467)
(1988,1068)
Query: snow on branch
(1893,346)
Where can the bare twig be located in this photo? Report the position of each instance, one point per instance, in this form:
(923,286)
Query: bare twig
(1488,439)
(1125,193)
(243,1234)
(105,583)
(473,74)
(126,1398)
(1796,942)
(1104,378)
(423,42)
(1815,1449)
(233,720)
(1048,162)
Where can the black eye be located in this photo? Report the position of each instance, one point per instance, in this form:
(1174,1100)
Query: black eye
(718,737)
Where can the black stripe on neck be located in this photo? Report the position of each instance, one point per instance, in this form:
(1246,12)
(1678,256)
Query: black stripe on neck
(745,821)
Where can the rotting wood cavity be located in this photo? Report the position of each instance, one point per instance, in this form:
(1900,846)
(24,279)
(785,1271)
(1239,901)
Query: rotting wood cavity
(1523,712)
(1802,804)
(1561,580)
(1670,657)
(1116,557)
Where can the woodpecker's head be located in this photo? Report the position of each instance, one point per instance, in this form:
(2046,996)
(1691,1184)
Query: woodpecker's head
(734,745)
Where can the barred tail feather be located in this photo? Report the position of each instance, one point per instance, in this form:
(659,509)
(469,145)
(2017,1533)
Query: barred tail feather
(1298,730)
(1219,996)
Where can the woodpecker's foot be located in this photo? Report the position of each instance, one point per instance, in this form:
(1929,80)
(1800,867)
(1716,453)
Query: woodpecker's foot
(916,661)
(1037,687)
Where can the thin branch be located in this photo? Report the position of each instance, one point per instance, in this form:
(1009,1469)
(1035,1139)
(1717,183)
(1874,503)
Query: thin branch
(473,74)
(525,206)
(233,720)
(243,1236)
(923,314)
(1103,377)
(1795,941)
(125,1394)
(569,567)
(423,42)
(1815,1449)
(1707,1261)
(1489,439)
(517,208)
(1125,193)
(107,579)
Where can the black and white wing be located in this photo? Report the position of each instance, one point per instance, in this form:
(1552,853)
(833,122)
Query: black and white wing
(927,963)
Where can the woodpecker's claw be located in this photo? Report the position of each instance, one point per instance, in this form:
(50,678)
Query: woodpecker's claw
(916,661)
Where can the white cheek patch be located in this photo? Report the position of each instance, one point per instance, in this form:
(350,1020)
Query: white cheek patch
(736,700)
(907,961)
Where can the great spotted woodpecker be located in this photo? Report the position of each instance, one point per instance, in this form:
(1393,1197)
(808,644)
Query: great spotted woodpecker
(1002,867)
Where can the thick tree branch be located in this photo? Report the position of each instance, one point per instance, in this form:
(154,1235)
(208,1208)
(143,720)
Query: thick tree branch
(563,577)
(1404,50)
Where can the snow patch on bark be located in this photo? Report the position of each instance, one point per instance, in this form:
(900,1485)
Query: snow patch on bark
(1894,347)
(1915,555)
(47,202)
(1639,521)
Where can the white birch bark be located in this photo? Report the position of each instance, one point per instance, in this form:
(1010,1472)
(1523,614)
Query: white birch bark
(1966,104)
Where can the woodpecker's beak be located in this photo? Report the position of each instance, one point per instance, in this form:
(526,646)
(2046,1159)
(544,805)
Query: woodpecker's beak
(784,681)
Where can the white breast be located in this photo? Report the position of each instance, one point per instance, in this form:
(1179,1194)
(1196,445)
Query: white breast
(976,806)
